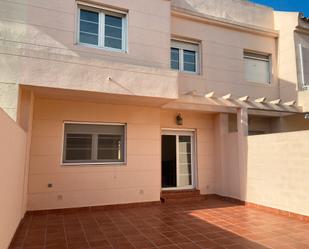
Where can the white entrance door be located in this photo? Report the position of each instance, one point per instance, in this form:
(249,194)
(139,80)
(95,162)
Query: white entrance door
(177,160)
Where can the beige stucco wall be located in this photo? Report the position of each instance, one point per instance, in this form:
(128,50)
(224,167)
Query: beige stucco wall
(38,47)
(222,64)
(12,154)
(292,34)
(278,171)
(137,181)
(231,172)
(286,22)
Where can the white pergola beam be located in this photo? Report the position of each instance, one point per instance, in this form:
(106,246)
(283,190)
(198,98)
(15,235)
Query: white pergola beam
(210,95)
(227,97)
(290,103)
(244,98)
(261,100)
(275,102)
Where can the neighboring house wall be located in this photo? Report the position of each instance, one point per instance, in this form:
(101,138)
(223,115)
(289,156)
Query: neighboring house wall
(278,171)
(292,59)
(222,63)
(38,47)
(286,22)
(12,154)
(303,67)
(302,53)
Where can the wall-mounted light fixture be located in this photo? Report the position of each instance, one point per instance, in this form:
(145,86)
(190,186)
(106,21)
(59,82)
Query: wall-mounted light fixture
(179,119)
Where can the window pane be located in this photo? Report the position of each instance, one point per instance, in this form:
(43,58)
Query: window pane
(113,32)
(113,21)
(257,70)
(189,61)
(189,67)
(113,43)
(175,58)
(88,38)
(110,147)
(89,27)
(90,16)
(189,56)
(78,147)
(305,69)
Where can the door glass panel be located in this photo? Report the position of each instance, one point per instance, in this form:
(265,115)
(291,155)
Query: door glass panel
(169,161)
(184,180)
(184,161)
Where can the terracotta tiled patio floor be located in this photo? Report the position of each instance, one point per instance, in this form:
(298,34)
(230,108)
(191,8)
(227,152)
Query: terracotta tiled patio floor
(207,224)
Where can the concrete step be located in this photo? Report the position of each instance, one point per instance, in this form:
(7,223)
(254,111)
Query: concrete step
(183,199)
(174,196)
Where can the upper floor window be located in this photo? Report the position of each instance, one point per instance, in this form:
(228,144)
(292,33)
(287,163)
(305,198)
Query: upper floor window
(102,28)
(184,56)
(257,67)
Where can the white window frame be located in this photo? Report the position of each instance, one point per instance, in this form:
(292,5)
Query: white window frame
(101,32)
(194,166)
(186,45)
(269,60)
(94,163)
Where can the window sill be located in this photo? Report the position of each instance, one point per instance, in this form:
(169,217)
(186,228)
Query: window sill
(107,49)
(98,164)
(187,73)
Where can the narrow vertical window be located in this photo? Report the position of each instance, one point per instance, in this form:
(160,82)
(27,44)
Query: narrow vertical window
(304,66)
(189,61)
(257,67)
(113,32)
(89,27)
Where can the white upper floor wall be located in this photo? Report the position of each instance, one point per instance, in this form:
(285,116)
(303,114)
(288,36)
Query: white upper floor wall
(234,11)
(40,46)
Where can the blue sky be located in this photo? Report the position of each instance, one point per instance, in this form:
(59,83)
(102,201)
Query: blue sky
(287,5)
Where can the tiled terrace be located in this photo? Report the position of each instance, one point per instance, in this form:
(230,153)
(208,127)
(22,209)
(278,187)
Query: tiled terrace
(206,224)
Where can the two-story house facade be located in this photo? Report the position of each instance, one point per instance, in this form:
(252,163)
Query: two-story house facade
(124,99)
